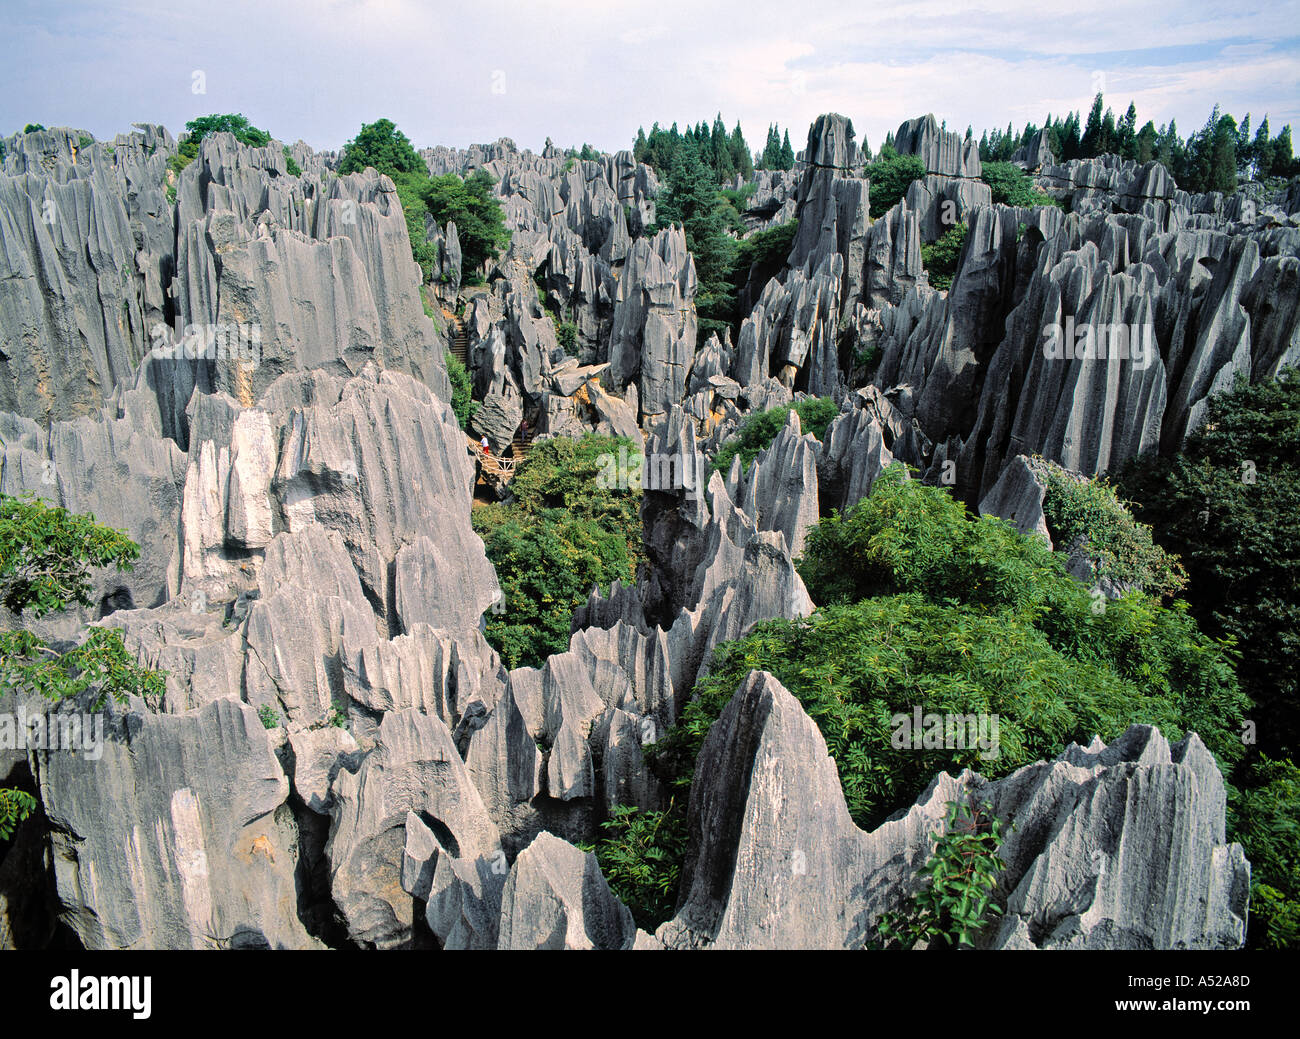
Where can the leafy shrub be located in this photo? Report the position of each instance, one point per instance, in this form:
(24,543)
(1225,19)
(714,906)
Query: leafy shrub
(757,432)
(1013,186)
(15,806)
(891,175)
(291,164)
(960,877)
(269,715)
(641,855)
(1265,819)
(32,128)
(1121,547)
(563,534)
(462,400)
(566,333)
(85,141)
(940,257)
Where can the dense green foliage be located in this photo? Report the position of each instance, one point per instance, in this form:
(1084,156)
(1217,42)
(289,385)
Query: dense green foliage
(204,126)
(563,534)
(470,202)
(641,854)
(33,128)
(933,608)
(1264,816)
(891,175)
(1122,548)
(1229,505)
(382,145)
(693,165)
(691,198)
(1012,186)
(757,432)
(959,879)
(46,557)
(462,400)
(940,256)
(290,163)
(477,213)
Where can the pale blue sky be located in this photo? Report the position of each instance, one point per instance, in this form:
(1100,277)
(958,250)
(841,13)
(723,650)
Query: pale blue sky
(475,70)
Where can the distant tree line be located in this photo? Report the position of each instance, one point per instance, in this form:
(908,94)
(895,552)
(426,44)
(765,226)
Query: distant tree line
(1213,158)
(721,153)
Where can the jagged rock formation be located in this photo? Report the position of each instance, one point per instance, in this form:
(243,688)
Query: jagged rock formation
(250,274)
(194,852)
(951,187)
(340,757)
(776,862)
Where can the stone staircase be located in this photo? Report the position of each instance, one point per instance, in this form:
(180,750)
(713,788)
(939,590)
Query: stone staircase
(460,341)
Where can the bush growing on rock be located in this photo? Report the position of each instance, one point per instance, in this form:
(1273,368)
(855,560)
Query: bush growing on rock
(204,126)
(757,432)
(940,257)
(891,175)
(562,534)
(1012,186)
(46,558)
(1089,512)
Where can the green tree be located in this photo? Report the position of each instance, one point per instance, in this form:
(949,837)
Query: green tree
(787,153)
(1092,140)
(1229,506)
(462,399)
(382,145)
(1264,817)
(477,213)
